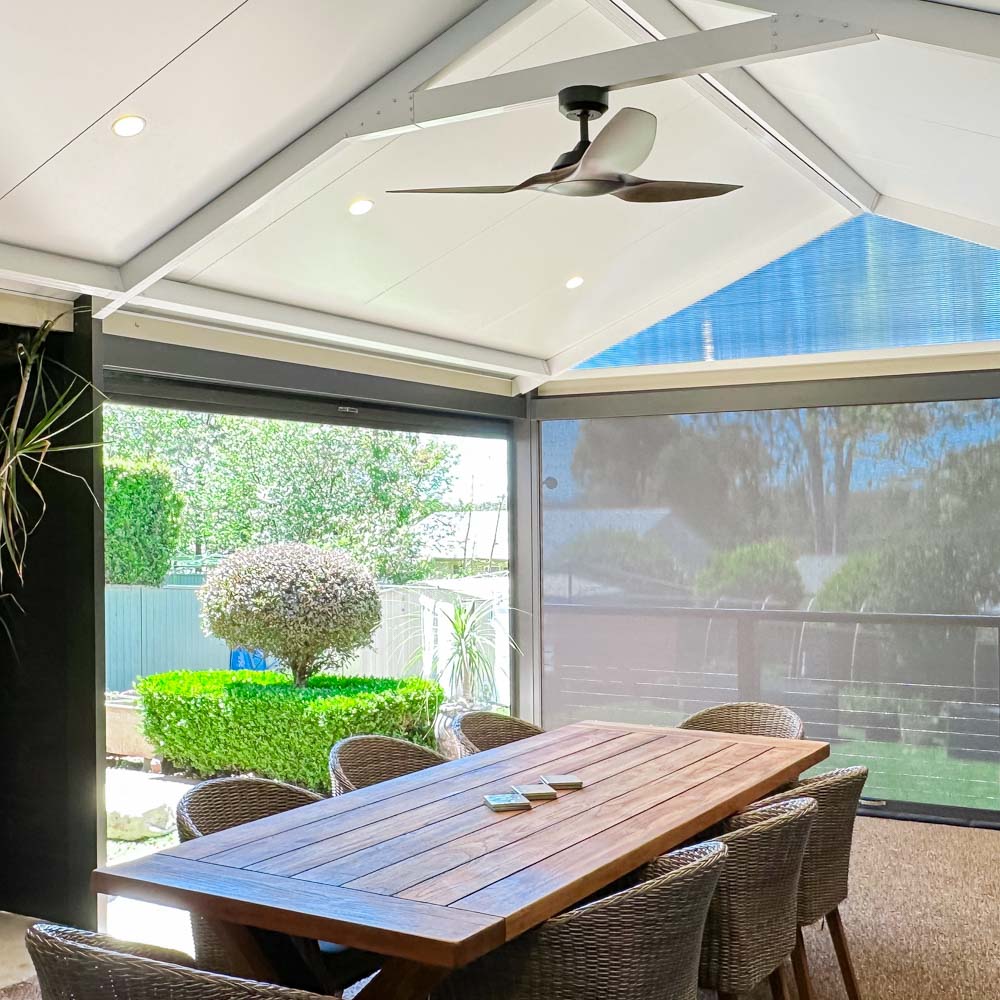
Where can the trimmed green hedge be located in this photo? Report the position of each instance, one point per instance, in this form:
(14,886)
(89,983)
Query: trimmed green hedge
(224,722)
(142,521)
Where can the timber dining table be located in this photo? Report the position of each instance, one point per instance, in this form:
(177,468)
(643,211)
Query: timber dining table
(419,870)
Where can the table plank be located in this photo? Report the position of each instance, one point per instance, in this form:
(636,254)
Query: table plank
(337,838)
(639,796)
(538,891)
(436,935)
(380,801)
(605,784)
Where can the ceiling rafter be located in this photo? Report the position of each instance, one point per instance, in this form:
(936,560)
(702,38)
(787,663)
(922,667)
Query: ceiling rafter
(164,254)
(929,22)
(740,97)
(656,61)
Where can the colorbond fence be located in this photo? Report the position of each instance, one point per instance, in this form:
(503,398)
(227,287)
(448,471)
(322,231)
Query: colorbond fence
(150,630)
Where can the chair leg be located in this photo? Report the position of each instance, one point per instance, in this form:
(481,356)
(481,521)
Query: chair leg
(800,963)
(836,926)
(779,983)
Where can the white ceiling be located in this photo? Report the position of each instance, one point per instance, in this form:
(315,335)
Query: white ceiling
(225,85)
(919,123)
(491,270)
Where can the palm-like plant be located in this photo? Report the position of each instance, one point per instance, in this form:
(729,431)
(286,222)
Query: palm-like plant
(33,421)
(469,667)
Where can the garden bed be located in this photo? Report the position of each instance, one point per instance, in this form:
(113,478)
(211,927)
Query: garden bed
(232,722)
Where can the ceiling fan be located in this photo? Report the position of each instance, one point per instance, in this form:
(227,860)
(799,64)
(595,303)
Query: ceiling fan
(601,166)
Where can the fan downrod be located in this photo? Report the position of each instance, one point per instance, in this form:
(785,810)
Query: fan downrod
(582,104)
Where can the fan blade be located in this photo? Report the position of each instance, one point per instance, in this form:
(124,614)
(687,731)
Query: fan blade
(459,190)
(639,190)
(621,146)
(537,182)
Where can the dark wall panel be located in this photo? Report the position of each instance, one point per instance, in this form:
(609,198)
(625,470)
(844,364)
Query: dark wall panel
(51,710)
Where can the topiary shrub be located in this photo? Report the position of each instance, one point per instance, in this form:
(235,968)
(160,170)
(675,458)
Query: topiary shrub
(142,522)
(247,721)
(308,607)
(753,572)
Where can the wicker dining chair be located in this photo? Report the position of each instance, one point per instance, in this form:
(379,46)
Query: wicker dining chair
(222,803)
(751,926)
(642,942)
(477,731)
(359,761)
(748,718)
(826,866)
(80,965)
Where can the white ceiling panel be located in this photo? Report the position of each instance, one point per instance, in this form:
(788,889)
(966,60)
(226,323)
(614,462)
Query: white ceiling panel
(918,122)
(65,64)
(492,270)
(240,93)
(558,29)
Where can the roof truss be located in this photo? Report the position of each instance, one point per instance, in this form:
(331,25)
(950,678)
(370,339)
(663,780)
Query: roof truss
(973,32)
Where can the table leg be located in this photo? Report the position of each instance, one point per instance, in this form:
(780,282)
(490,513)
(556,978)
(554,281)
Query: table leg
(243,944)
(403,980)
(269,957)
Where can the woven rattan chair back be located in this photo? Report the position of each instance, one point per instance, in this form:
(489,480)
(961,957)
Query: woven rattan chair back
(226,802)
(642,942)
(218,805)
(476,731)
(360,761)
(80,965)
(751,927)
(826,866)
(748,718)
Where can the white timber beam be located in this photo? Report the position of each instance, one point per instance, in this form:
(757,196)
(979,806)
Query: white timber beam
(748,103)
(974,32)
(386,102)
(674,58)
(971,230)
(51,270)
(229,309)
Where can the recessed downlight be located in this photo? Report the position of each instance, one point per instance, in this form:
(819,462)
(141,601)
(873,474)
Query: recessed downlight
(128,125)
(575,282)
(361,206)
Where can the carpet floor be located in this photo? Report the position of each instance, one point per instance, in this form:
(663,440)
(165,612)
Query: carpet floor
(923,919)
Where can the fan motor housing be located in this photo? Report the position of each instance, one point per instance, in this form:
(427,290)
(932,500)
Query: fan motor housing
(583,100)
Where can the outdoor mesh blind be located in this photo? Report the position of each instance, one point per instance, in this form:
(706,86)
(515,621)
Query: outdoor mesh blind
(870,283)
(647,521)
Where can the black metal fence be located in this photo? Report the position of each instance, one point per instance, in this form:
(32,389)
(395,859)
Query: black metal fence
(914,697)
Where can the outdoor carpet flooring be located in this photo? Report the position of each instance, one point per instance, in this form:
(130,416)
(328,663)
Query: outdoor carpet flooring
(922,919)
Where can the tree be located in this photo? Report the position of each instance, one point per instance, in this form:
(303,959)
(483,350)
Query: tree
(250,481)
(678,462)
(306,606)
(743,476)
(142,518)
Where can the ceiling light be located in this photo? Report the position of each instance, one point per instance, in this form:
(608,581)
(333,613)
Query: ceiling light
(361,207)
(128,125)
(575,282)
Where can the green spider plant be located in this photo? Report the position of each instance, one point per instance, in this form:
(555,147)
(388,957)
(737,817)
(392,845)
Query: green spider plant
(31,430)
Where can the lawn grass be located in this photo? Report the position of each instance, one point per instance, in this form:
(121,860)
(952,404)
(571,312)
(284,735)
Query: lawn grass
(906,773)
